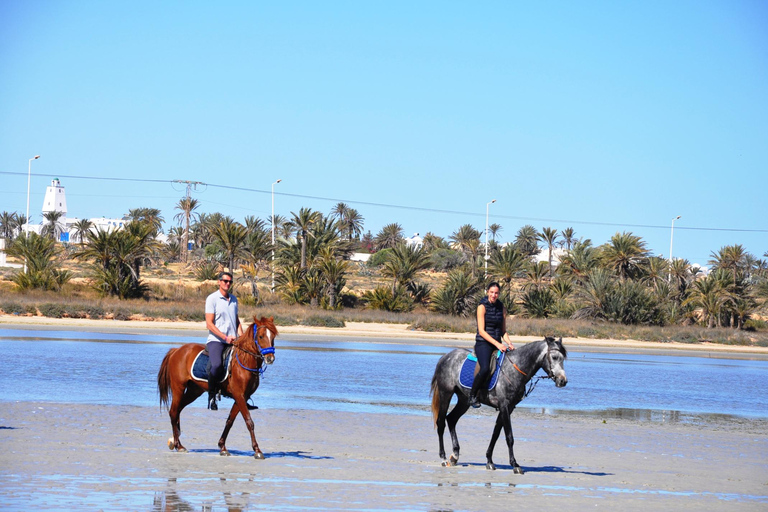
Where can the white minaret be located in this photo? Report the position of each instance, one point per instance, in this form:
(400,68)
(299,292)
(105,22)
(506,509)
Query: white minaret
(55,200)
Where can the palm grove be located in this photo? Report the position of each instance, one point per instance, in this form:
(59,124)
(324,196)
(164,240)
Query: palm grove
(618,281)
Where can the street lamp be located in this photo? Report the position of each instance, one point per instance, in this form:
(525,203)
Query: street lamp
(671,238)
(29,179)
(486,235)
(273,234)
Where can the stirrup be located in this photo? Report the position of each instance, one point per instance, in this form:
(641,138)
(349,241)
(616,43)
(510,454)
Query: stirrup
(250,406)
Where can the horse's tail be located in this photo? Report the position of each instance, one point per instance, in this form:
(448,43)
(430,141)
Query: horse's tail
(164,379)
(435,392)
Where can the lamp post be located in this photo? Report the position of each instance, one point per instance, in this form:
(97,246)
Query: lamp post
(671,238)
(273,234)
(29,179)
(486,235)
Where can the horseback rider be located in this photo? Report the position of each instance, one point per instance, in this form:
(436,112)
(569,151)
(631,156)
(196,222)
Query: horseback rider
(491,336)
(224,327)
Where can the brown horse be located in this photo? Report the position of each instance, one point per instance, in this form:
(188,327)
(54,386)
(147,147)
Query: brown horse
(177,386)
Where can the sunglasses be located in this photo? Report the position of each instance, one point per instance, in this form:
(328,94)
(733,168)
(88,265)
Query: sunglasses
(225,280)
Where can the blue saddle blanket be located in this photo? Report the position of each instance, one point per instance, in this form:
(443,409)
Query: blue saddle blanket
(467,375)
(200,365)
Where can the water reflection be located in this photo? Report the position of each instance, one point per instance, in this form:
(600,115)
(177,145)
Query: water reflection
(169,500)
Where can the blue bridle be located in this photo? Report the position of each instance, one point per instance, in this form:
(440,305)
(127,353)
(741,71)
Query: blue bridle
(262,352)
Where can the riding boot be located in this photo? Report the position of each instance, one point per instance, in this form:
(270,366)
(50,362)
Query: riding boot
(474,401)
(212,388)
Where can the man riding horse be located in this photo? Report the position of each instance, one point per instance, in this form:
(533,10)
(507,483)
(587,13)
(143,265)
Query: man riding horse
(221,318)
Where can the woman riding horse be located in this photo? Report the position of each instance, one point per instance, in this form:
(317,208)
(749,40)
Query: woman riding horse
(491,336)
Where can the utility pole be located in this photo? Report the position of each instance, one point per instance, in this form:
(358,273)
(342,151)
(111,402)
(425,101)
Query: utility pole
(190,185)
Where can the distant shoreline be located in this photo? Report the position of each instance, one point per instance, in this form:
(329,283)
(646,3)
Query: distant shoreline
(387,333)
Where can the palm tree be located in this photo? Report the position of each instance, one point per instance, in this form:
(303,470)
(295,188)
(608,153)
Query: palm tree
(526,240)
(53,226)
(732,258)
(40,254)
(536,273)
(548,236)
(150,216)
(624,254)
(302,222)
(467,240)
(9,223)
(710,295)
(332,271)
(458,296)
(431,241)
(506,264)
(494,229)
(568,238)
(579,261)
(389,236)
(403,263)
(187,205)
(82,227)
(656,271)
(352,224)
(142,244)
(232,236)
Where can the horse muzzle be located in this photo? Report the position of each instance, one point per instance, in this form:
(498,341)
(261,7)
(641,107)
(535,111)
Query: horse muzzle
(269,358)
(560,380)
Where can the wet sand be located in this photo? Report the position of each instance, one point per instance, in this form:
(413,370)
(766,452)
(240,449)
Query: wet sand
(96,457)
(99,457)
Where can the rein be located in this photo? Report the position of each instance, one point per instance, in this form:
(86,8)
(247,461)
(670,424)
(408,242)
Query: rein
(531,383)
(262,352)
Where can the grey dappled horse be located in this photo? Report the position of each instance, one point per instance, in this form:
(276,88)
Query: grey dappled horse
(517,369)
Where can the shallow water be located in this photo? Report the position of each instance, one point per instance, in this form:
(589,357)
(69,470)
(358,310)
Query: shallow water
(121,369)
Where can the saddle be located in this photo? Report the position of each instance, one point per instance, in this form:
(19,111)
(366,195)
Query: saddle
(470,367)
(200,365)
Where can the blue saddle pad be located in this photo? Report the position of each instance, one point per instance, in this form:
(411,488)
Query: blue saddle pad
(467,375)
(199,366)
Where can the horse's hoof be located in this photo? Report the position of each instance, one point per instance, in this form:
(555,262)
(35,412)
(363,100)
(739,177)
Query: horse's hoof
(518,470)
(171,444)
(258,455)
(453,459)
(181,449)
(224,453)
(446,464)
(490,466)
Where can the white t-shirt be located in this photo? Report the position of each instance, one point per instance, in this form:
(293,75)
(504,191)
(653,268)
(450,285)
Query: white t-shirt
(224,314)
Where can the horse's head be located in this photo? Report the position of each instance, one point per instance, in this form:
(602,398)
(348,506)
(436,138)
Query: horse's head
(554,361)
(264,334)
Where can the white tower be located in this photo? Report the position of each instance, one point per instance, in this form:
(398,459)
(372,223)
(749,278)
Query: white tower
(55,200)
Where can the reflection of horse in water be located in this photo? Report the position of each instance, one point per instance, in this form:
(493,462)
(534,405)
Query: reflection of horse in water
(517,368)
(177,385)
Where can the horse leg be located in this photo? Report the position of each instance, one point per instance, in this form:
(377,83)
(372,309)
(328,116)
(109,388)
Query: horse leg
(187,396)
(230,421)
(507,419)
(445,402)
(458,411)
(494,437)
(243,404)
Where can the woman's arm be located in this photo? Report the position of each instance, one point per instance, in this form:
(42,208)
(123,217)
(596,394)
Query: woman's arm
(504,334)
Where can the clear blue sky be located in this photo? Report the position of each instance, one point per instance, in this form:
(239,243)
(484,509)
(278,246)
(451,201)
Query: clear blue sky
(603,116)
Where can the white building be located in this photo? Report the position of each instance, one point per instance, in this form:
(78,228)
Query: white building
(56,201)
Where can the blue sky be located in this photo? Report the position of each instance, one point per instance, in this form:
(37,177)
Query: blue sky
(601,116)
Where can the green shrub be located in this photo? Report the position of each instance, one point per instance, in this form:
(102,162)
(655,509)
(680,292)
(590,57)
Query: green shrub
(378,258)
(383,298)
(754,324)
(323,321)
(12,308)
(52,310)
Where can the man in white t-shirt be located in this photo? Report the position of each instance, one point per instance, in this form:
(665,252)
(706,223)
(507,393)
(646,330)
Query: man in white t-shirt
(223,328)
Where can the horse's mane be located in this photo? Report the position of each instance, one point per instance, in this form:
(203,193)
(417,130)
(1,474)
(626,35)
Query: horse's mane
(547,339)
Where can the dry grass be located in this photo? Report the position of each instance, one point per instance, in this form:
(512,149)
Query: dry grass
(176,295)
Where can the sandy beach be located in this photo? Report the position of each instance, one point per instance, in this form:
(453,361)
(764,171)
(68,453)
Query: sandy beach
(58,456)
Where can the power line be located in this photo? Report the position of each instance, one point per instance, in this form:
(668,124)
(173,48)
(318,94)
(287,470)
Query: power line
(401,207)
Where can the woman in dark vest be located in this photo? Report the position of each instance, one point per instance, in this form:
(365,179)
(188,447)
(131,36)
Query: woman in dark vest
(491,336)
